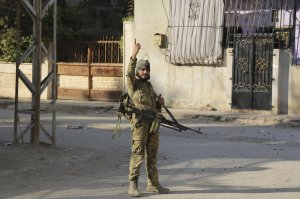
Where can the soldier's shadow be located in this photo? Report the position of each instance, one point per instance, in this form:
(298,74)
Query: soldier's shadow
(229,190)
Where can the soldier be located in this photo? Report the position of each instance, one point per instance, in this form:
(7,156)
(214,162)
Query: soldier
(144,137)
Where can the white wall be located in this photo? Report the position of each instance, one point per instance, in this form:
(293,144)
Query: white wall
(202,86)
(8,79)
(294,91)
(182,86)
(128,39)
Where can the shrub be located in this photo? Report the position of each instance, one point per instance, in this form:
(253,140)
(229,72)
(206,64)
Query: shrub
(8,45)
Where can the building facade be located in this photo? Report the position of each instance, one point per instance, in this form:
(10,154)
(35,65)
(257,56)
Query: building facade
(222,54)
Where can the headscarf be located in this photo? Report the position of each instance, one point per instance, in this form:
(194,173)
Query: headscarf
(141,64)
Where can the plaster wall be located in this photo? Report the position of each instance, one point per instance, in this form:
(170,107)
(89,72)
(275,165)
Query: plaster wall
(8,79)
(283,76)
(294,91)
(128,39)
(202,87)
(182,86)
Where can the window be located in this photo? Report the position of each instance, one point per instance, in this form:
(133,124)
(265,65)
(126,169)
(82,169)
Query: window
(195,31)
(248,17)
(296,46)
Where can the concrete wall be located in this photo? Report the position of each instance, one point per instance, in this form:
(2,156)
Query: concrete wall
(8,78)
(182,86)
(294,91)
(201,87)
(128,39)
(81,81)
(281,68)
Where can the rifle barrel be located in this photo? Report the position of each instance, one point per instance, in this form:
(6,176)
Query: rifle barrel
(164,122)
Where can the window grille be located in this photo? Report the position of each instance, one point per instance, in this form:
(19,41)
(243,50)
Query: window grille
(249,17)
(103,49)
(198,30)
(296,46)
(195,31)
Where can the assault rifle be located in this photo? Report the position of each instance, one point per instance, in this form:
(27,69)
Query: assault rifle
(149,115)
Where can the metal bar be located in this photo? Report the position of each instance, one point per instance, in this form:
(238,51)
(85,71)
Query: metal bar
(46,7)
(17,77)
(109,42)
(47,52)
(111,53)
(92,52)
(54,69)
(118,54)
(46,132)
(99,53)
(28,51)
(46,81)
(29,8)
(105,52)
(36,73)
(28,127)
(89,58)
(26,81)
(36,87)
(294,55)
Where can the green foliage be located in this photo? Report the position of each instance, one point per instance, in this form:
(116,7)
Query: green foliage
(7,14)
(69,23)
(128,18)
(68,27)
(8,31)
(8,45)
(105,15)
(121,45)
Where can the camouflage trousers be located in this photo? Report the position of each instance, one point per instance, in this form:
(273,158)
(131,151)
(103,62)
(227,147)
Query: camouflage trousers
(144,146)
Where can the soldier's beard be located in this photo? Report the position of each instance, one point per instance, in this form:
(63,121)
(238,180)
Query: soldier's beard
(145,78)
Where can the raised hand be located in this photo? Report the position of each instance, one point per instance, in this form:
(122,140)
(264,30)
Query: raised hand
(135,50)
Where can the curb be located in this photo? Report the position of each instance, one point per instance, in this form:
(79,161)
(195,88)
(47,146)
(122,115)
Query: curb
(97,107)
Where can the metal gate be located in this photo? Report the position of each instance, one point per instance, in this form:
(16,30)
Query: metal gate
(90,70)
(252,72)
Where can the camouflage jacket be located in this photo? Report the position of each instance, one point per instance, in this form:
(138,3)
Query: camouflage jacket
(141,92)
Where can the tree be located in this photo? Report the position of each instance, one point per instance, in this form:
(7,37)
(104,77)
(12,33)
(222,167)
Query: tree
(8,31)
(69,23)
(68,27)
(103,17)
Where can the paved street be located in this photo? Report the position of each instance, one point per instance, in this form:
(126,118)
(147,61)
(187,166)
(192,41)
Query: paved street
(237,157)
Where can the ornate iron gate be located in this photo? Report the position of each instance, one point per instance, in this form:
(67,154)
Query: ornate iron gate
(252,72)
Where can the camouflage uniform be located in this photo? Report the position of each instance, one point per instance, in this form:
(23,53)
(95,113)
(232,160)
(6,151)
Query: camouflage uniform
(144,143)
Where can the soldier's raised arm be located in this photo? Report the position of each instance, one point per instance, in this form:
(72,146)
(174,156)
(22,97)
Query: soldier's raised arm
(135,50)
(131,68)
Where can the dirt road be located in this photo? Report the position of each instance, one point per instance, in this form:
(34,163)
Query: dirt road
(229,161)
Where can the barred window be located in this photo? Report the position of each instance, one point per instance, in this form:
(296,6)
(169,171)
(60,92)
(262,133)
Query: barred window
(195,31)
(296,47)
(199,29)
